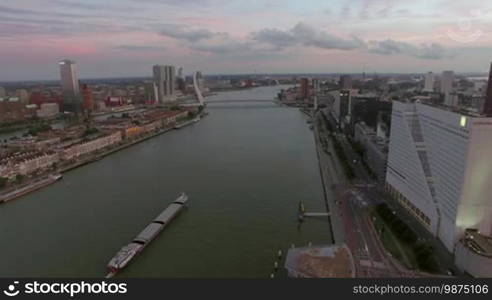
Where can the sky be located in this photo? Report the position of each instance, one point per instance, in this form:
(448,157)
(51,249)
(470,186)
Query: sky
(125,38)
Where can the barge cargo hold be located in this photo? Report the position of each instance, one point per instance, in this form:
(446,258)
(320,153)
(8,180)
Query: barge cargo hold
(128,252)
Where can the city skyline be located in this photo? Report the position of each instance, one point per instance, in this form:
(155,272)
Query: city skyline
(237,37)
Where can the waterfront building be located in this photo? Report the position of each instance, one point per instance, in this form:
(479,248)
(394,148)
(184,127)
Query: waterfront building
(345,82)
(37,163)
(376,150)
(439,169)
(429,81)
(91,146)
(367,108)
(48,110)
(72,101)
(164,81)
(487,107)
(30,143)
(474,254)
(23,96)
(27,163)
(447,79)
(342,105)
(12,110)
(88,97)
(133,132)
(334,261)
(304,89)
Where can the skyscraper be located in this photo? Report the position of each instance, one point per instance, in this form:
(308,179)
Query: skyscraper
(164,80)
(2,92)
(447,79)
(439,171)
(304,89)
(72,100)
(23,96)
(346,82)
(487,108)
(429,82)
(88,97)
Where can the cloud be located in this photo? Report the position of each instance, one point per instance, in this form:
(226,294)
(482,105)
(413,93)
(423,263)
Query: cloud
(182,33)
(272,40)
(392,47)
(303,34)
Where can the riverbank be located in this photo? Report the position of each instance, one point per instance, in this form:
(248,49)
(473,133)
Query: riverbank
(28,188)
(37,184)
(330,178)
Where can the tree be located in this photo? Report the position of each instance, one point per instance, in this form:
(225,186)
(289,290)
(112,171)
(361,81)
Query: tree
(359,148)
(19,178)
(3,182)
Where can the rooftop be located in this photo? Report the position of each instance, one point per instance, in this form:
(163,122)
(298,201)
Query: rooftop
(333,261)
(478,243)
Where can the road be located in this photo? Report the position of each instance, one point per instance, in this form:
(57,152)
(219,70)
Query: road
(350,212)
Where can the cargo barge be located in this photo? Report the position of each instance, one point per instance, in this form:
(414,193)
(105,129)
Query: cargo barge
(130,251)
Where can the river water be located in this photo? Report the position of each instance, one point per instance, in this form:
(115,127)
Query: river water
(245,168)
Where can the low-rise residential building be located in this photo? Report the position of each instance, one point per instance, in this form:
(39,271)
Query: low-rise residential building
(133,132)
(37,163)
(153,126)
(27,163)
(32,143)
(173,117)
(91,146)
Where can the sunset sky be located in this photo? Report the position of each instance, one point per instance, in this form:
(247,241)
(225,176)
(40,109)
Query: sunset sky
(113,38)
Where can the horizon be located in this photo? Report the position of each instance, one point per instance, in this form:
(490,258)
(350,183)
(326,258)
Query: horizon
(470,74)
(236,37)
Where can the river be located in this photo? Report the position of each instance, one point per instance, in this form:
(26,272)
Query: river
(245,168)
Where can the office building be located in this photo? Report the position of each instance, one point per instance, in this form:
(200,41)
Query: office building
(3,93)
(439,169)
(342,105)
(487,107)
(376,150)
(447,79)
(23,96)
(304,89)
(48,110)
(345,82)
(72,100)
(164,80)
(88,97)
(429,81)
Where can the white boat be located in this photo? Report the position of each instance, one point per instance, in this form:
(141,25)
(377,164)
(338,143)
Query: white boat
(57,177)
